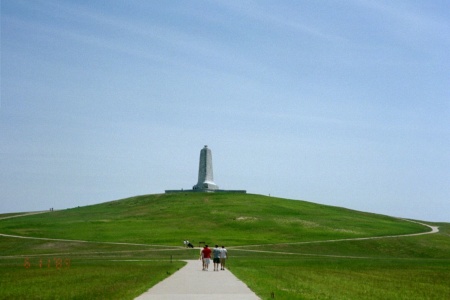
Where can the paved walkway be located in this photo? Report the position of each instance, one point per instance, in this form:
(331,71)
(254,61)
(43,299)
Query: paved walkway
(191,282)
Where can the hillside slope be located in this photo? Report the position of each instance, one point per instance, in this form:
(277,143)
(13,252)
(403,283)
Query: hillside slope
(232,219)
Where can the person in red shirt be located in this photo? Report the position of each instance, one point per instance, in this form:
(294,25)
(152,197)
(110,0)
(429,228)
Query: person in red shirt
(206,254)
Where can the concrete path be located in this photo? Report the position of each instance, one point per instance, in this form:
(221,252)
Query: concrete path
(191,282)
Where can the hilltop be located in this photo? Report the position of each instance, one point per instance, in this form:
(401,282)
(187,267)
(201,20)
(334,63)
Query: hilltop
(232,219)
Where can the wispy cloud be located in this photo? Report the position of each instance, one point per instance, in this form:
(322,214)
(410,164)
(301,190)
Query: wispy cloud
(254,10)
(407,17)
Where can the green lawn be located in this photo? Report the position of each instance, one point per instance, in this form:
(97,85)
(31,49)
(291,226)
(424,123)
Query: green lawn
(63,277)
(331,278)
(276,246)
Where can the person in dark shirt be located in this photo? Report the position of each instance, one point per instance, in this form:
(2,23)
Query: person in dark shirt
(216,257)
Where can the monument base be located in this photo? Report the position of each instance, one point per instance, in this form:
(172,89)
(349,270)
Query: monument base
(206,191)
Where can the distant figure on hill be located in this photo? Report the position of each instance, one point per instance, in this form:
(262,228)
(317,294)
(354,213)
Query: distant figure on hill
(189,245)
(216,257)
(223,257)
(206,254)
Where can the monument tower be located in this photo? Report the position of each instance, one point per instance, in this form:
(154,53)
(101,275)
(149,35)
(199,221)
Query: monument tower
(205,171)
(205,182)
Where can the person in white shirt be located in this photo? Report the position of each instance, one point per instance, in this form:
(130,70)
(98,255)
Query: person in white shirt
(223,257)
(202,259)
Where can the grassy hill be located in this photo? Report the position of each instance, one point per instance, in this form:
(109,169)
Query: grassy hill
(277,246)
(233,219)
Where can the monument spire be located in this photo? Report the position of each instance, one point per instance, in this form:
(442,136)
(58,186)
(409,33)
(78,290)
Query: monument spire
(205,171)
(205,182)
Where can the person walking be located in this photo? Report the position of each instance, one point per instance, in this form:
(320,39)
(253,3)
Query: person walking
(206,252)
(223,257)
(216,257)
(202,259)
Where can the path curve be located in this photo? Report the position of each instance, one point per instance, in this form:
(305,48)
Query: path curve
(192,283)
(25,214)
(72,241)
(92,242)
(434,229)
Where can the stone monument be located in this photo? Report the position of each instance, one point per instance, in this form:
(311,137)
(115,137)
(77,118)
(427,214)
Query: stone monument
(205,172)
(205,182)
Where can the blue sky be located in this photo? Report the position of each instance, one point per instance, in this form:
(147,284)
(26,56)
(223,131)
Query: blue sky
(344,103)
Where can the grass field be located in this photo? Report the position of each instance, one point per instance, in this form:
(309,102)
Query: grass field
(277,247)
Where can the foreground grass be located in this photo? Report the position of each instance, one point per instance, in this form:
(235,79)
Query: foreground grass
(69,278)
(108,273)
(330,278)
(415,267)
